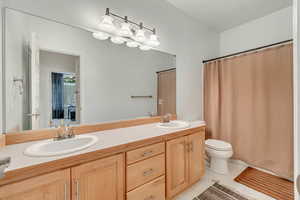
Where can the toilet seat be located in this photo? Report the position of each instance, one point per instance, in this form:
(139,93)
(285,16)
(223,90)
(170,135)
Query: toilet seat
(219,153)
(218,145)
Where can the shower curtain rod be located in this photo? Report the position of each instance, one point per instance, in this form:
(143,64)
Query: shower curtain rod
(255,49)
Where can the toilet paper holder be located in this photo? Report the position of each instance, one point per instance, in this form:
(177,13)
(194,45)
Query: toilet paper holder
(4,163)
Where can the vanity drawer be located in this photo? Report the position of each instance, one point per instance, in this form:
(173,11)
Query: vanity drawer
(145,171)
(155,190)
(145,152)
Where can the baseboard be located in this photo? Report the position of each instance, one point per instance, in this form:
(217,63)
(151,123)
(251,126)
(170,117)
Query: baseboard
(238,162)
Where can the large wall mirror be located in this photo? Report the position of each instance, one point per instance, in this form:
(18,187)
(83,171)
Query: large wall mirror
(55,72)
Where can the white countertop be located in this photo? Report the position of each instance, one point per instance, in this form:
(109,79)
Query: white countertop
(106,139)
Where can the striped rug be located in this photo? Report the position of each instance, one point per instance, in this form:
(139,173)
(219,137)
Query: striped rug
(219,192)
(268,184)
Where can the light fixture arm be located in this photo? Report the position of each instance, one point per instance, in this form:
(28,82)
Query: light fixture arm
(123,32)
(154,31)
(140,25)
(107,11)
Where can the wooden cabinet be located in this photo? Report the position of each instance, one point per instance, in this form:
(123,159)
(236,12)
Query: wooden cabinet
(101,179)
(153,172)
(53,186)
(145,171)
(145,152)
(154,190)
(145,175)
(196,157)
(177,166)
(185,162)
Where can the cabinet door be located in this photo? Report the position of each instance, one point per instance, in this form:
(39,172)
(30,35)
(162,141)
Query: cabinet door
(196,157)
(101,179)
(177,166)
(53,186)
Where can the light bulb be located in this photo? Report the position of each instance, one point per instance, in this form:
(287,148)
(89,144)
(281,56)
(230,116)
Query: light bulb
(153,41)
(125,30)
(107,24)
(132,44)
(140,36)
(117,40)
(101,35)
(145,47)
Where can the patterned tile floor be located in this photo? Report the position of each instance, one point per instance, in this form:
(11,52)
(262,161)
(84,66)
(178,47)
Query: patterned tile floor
(227,180)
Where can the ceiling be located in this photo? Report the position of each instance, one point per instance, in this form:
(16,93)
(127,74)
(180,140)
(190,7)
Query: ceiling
(225,14)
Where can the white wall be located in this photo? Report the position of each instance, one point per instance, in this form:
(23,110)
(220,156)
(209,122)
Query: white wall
(179,34)
(17,63)
(270,29)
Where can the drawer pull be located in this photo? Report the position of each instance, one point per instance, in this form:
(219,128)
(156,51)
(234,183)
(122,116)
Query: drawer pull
(191,146)
(77,190)
(66,193)
(187,147)
(151,197)
(148,172)
(147,153)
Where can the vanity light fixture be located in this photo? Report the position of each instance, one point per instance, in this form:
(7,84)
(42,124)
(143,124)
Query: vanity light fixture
(153,40)
(132,44)
(117,39)
(101,35)
(145,47)
(121,29)
(140,34)
(125,30)
(107,24)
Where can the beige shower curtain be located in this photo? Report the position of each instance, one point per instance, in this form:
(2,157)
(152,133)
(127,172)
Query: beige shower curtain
(248,101)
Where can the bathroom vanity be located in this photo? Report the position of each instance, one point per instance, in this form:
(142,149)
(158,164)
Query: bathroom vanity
(62,80)
(142,162)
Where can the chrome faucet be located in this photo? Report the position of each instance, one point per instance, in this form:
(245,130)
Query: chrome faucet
(64,132)
(166,118)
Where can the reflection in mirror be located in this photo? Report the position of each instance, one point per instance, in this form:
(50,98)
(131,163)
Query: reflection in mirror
(59,72)
(59,97)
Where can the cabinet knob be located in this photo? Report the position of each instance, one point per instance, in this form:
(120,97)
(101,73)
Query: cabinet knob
(66,192)
(191,146)
(148,172)
(151,197)
(147,153)
(187,146)
(77,190)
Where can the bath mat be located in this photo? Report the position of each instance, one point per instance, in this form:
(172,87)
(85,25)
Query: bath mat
(219,192)
(268,184)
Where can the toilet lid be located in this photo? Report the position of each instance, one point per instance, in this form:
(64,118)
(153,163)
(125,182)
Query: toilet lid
(218,145)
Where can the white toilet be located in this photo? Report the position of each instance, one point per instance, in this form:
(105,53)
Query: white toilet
(219,152)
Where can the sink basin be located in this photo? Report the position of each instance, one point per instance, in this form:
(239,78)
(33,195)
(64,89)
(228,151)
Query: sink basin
(55,148)
(176,124)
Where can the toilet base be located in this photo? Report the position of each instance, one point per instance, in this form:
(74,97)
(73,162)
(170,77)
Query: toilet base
(219,165)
